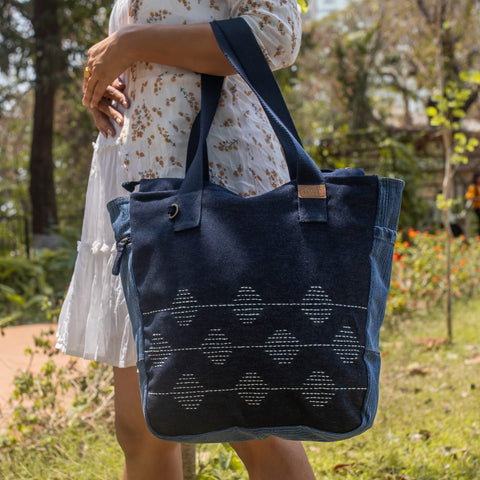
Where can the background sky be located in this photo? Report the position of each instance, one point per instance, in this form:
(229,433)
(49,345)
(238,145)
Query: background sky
(322,7)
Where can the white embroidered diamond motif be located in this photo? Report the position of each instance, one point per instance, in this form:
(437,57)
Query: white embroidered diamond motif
(248,305)
(317,305)
(318,389)
(282,346)
(252,388)
(159,350)
(184,307)
(346,345)
(216,346)
(188,392)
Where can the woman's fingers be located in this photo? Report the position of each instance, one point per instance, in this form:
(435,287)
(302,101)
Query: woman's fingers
(115,93)
(118,84)
(107,106)
(102,122)
(94,91)
(106,61)
(110,111)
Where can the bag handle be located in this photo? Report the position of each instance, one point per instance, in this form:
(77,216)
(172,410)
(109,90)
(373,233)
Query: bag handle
(241,49)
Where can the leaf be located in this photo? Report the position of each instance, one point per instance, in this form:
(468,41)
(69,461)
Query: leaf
(472,76)
(456,159)
(303,5)
(432,343)
(421,435)
(432,111)
(416,369)
(344,466)
(475,360)
(14,298)
(437,121)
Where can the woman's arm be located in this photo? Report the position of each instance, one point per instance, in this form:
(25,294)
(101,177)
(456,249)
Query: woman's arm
(275,24)
(192,47)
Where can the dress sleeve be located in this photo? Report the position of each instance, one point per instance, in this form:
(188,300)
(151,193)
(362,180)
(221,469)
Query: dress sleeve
(277,26)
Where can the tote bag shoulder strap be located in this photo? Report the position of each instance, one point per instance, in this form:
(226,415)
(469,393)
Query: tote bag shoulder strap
(239,45)
(236,37)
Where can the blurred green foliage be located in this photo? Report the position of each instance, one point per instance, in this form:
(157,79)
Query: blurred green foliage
(31,290)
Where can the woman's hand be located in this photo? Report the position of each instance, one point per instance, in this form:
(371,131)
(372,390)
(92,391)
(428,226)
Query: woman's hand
(107,110)
(106,62)
(192,47)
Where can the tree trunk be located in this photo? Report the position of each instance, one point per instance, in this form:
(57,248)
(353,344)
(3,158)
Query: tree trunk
(188,460)
(47,56)
(448,195)
(444,65)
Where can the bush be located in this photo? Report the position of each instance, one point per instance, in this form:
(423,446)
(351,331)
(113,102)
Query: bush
(39,402)
(419,279)
(31,290)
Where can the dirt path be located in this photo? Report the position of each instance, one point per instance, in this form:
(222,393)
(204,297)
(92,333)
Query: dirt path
(13,359)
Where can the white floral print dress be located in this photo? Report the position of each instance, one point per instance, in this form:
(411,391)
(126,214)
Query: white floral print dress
(244,156)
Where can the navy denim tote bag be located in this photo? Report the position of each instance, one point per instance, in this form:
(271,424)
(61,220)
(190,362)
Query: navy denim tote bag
(257,316)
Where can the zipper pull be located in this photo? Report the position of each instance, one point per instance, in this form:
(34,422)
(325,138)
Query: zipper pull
(120,249)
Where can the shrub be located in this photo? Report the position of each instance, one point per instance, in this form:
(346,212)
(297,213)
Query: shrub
(38,400)
(31,290)
(419,272)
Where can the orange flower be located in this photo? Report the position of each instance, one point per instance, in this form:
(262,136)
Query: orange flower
(406,244)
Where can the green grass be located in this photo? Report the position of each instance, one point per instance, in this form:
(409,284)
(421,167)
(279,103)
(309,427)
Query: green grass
(73,454)
(428,420)
(427,426)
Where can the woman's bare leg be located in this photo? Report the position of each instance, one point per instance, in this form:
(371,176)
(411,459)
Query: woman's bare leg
(274,459)
(146,457)
(149,458)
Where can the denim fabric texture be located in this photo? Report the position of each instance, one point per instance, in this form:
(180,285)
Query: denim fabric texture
(217,351)
(257,316)
(119,211)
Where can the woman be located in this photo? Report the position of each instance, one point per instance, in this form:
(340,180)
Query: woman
(473,195)
(149,60)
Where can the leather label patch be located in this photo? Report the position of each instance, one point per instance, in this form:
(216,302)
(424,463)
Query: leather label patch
(312,191)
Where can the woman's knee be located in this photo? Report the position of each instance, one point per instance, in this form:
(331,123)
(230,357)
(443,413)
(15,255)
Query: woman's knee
(129,421)
(132,432)
(274,456)
(255,452)
(258,448)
